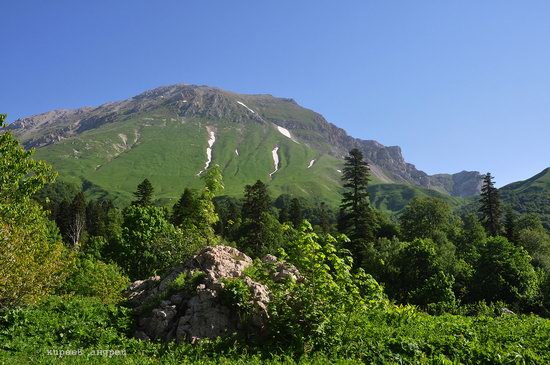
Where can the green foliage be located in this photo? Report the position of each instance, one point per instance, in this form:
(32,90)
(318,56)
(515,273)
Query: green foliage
(186,282)
(355,217)
(20,175)
(144,194)
(260,232)
(63,323)
(138,247)
(94,278)
(314,314)
(530,196)
(32,257)
(186,208)
(504,272)
(490,206)
(378,336)
(537,244)
(236,295)
(424,218)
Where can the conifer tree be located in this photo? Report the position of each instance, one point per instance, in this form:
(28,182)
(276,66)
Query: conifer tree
(185,208)
(355,218)
(144,194)
(324,220)
(296,213)
(256,201)
(510,225)
(490,206)
(260,231)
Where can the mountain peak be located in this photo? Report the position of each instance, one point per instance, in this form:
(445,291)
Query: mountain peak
(202,105)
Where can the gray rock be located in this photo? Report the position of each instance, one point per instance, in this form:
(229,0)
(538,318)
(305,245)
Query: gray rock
(190,315)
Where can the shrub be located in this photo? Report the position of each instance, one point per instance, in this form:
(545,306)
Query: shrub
(95,278)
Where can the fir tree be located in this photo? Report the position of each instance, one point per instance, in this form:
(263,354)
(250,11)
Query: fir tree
(144,194)
(185,208)
(324,220)
(510,225)
(490,206)
(256,201)
(260,231)
(296,213)
(355,218)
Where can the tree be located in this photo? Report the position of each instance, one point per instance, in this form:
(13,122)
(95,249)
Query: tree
(185,209)
(504,272)
(135,250)
(143,194)
(33,260)
(256,201)
(97,217)
(355,219)
(472,236)
(324,219)
(296,213)
(510,225)
(77,222)
(537,244)
(424,217)
(229,212)
(490,206)
(260,232)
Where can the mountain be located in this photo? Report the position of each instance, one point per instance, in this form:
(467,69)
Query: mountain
(530,196)
(170,134)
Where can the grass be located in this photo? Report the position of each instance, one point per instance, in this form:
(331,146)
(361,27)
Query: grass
(381,337)
(170,151)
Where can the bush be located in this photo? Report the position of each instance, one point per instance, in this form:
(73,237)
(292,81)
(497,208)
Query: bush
(94,278)
(32,257)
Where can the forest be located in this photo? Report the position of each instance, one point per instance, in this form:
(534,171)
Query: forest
(429,285)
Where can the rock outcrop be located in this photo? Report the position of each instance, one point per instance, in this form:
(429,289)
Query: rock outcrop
(185,305)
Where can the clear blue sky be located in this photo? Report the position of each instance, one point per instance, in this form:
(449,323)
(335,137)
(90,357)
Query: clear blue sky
(438,78)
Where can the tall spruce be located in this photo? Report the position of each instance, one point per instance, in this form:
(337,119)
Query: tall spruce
(258,232)
(296,213)
(355,217)
(185,208)
(490,206)
(510,224)
(144,194)
(324,220)
(256,201)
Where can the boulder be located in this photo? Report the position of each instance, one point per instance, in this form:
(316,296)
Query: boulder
(168,312)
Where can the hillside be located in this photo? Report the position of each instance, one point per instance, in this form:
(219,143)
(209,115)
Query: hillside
(530,196)
(170,134)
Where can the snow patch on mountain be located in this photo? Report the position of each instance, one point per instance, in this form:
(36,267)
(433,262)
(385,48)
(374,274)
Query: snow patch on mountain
(284,132)
(243,104)
(311,163)
(275,155)
(211,140)
(124,138)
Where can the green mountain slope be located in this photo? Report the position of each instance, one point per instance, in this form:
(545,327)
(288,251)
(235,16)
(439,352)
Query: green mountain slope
(530,196)
(164,134)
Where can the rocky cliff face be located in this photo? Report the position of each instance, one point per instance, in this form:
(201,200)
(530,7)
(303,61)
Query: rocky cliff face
(189,101)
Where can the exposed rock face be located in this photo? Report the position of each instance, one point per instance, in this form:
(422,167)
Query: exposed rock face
(195,311)
(283,271)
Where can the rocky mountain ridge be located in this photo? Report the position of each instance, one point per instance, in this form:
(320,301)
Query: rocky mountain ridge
(184,102)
